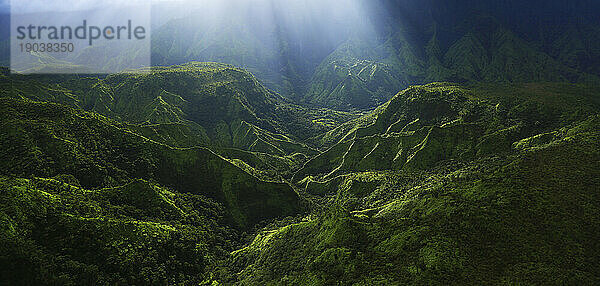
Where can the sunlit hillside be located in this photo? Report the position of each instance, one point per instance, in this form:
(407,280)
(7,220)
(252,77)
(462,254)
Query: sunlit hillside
(352,142)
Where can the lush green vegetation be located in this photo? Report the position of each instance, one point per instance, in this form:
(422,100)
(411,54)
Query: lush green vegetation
(197,174)
(359,67)
(447,186)
(526,219)
(362,75)
(308,143)
(47,139)
(57,233)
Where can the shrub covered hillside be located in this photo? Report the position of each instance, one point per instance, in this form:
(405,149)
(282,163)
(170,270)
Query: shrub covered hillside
(359,60)
(198,175)
(86,200)
(447,185)
(55,232)
(196,104)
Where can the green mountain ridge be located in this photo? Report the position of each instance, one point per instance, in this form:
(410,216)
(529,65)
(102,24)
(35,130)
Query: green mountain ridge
(360,142)
(46,140)
(420,120)
(501,220)
(197,104)
(361,68)
(198,174)
(447,185)
(487,53)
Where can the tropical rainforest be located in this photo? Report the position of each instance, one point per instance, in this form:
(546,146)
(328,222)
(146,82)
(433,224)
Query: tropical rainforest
(314,143)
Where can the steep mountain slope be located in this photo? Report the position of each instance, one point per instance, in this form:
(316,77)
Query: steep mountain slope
(343,59)
(225,40)
(197,104)
(425,124)
(523,219)
(442,184)
(447,185)
(360,75)
(491,53)
(484,52)
(277,41)
(575,45)
(47,140)
(349,64)
(199,174)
